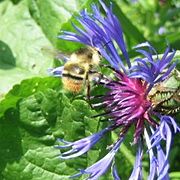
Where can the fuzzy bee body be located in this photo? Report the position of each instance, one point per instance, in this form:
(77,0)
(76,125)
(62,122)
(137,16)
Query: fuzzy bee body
(78,70)
(73,76)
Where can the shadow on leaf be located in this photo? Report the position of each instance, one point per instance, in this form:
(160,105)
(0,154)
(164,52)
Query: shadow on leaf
(10,140)
(7,59)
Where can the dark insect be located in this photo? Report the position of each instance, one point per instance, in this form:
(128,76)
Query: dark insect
(166,99)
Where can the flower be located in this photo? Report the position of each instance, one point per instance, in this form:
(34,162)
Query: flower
(129,101)
(102,165)
(81,146)
(137,170)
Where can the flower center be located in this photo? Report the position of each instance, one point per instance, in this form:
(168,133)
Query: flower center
(127,100)
(127,103)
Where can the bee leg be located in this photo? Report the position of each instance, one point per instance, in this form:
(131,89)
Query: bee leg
(88,89)
(97,77)
(108,66)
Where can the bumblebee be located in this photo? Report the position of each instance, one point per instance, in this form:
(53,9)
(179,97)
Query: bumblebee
(79,69)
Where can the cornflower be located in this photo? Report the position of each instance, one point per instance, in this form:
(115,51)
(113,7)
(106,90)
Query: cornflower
(128,102)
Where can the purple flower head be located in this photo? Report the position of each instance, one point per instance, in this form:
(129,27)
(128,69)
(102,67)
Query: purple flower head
(129,101)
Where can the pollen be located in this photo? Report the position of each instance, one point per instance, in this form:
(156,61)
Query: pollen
(72,85)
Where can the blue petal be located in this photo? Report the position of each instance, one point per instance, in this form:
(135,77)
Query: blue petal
(164,62)
(146,54)
(163,132)
(114,172)
(101,32)
(163,165)
(100,167)
(166,74)
(81,146)
(152,158)
(145,44)
(152,69)
(137,170)
(172,122)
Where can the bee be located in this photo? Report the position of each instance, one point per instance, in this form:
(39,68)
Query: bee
(79,69)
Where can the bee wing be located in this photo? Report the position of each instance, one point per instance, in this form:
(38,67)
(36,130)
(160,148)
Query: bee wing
(57,72)
(55,54)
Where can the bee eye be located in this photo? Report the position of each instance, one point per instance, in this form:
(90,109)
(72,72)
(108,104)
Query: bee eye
(99,53)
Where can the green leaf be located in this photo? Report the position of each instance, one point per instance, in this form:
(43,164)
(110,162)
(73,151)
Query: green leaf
(36,113)
(67,46)
(25,89)
(51,15)
(20,46)
(22,38)
(174,175)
